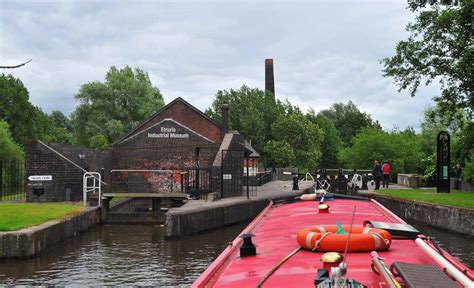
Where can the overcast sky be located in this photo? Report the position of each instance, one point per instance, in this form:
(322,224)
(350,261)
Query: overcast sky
(324,51)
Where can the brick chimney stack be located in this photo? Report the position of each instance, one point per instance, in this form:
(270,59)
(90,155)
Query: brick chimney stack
(269,77)
(225,117)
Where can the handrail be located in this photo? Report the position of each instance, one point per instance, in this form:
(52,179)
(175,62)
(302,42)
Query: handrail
(450,268)
(383,271)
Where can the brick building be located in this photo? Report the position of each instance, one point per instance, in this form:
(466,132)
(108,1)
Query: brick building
(171,151)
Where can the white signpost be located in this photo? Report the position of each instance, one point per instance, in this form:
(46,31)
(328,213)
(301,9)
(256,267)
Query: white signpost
(40,177)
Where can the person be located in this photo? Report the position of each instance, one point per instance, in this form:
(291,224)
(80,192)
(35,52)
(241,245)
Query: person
(458,180)
(377,173)
(386,174)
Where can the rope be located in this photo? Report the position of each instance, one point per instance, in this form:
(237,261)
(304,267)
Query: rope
(316,245)
(270,273)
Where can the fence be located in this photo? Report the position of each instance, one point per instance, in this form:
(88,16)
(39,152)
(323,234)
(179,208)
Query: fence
(197,181)
(12,175)
(144,181)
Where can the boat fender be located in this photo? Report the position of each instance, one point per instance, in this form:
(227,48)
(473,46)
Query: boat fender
(325,238)
(308,197)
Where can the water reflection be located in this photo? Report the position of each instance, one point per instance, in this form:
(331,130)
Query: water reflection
(121,254)
(138,255)
(460,246)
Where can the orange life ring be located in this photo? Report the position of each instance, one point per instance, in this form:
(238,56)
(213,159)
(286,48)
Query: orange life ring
(363,239)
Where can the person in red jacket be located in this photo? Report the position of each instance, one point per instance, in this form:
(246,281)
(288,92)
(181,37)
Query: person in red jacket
(386,174)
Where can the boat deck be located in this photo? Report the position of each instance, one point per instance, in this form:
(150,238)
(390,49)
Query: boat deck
(275,237)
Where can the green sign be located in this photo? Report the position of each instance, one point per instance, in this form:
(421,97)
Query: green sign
(445,172)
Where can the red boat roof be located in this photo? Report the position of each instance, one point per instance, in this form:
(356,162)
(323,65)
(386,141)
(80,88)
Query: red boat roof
(275,232)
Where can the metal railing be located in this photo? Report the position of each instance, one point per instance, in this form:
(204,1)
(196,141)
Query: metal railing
(12,174)
(264,177)
(143,181)
(196,181)
(91,183)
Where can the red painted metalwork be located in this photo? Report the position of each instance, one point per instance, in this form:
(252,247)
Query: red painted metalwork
(276,228)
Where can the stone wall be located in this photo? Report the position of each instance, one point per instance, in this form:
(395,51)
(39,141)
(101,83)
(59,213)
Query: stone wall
(463,186)
(178,224)
(30,242)
(444,217)
(409,180)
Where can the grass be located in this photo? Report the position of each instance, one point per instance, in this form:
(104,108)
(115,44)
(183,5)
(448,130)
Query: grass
(455,198)
(13,196)
(15,216)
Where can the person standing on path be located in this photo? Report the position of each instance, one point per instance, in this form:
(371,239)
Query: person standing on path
(386,174)
(377,173)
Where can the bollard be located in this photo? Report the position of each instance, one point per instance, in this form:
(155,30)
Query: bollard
(295,181)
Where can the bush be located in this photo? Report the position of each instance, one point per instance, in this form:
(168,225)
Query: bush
(469,169)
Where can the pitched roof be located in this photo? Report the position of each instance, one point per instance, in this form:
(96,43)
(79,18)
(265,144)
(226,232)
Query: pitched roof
(252,152)
(169,120)
(164,108)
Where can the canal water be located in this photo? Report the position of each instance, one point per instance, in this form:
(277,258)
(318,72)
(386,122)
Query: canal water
(138,255)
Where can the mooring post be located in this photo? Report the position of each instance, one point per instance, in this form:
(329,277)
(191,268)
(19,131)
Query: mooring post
(156,207)
(248,178)
(295,181)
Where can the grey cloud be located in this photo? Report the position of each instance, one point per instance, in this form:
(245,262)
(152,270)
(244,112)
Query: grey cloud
(324,51)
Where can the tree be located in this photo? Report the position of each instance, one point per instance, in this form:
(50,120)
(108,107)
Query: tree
(440,48)
(348,120)
(298,142)
(401,149)
(16,109)
(60,130)
(8,148)
(252,112)
(331,142)
(108,110)
(458,126)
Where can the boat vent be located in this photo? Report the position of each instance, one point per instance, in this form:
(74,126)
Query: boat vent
(247,248)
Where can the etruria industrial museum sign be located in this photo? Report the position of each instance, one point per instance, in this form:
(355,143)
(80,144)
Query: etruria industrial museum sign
(167,133)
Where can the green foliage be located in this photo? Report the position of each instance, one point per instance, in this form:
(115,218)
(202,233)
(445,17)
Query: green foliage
(464,144)
(11,162)
(281,154)
(440,48)
(458,199)
(16,109)
(331,142)
(8,148)
(27,122)
(252,111)
(61,130)
(468,173)
(278,130)
(460,129)
(15,216)
(299,137)
(110,109)
(348,120)
(401,149)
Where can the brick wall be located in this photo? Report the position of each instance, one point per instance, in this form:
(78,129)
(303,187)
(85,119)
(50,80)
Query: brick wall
(65,176)
(157,149)
(184,114)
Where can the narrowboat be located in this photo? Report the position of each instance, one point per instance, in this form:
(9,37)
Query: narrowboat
(333,242)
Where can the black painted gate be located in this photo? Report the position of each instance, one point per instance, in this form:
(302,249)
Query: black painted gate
(234,180)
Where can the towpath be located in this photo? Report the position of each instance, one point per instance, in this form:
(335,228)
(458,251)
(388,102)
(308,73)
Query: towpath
(274,190)
(200,215)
